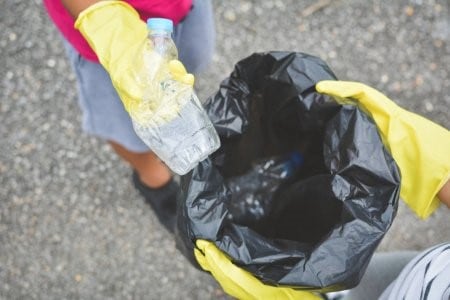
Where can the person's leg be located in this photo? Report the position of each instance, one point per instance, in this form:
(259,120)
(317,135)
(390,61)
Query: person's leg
(104,115)
(152,171)
(383,268)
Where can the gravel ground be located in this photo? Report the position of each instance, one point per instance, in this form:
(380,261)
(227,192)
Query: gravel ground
(71,224)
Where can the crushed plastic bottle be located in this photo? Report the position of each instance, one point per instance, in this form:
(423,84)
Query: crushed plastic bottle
(252,193)
(170,119)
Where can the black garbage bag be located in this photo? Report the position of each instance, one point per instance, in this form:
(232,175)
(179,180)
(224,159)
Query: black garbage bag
(314,227)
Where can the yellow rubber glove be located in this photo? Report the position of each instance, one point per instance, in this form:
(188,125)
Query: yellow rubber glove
(239,283)
(420,147)
(118,36)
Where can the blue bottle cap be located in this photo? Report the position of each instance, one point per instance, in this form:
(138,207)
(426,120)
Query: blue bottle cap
(297,158)
(160,24)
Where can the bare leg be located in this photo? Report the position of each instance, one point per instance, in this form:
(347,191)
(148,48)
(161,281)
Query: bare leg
(151,170)
(444,194)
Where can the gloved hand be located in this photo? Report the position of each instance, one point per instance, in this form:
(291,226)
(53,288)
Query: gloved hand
(420,147)
(238,282)
(118,36)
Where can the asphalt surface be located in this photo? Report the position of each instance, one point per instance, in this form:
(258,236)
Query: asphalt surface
(71,224)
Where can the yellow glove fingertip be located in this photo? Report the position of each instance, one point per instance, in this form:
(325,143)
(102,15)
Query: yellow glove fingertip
(340,88)
(177,67)
(179,72)
(188,79)
(321,86)
(201,244)
(332,87)
(201,259)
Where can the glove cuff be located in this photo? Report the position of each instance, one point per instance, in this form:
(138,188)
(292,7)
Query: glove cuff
(102,5)
(111,28)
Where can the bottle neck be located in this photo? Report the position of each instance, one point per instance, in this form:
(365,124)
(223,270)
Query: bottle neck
(161,33)
(163,43)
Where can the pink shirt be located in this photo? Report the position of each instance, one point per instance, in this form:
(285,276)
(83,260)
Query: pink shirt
(175,10)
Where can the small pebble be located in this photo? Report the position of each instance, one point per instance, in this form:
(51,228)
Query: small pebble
(51,63)
(409,10)
(230,15)
(12,36)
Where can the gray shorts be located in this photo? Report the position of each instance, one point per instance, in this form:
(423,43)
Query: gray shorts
(103,113)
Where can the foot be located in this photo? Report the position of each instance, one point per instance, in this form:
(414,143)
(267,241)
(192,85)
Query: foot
(163,200)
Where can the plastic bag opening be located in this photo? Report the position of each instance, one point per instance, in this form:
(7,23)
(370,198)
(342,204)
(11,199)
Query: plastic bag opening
(314,230)
(260,199)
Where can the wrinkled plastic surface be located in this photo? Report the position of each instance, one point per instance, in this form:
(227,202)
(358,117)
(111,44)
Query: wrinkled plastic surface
(325,223)
(170,118)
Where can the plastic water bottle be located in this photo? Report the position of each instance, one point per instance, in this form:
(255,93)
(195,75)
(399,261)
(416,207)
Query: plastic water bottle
(170,119)
(252,193)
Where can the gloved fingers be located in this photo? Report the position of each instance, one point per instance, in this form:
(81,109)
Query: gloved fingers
(179,72)
(210,255)
(213,260)
(188,79)
(201,259)
(344,89)
(371,99)
(236,281)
